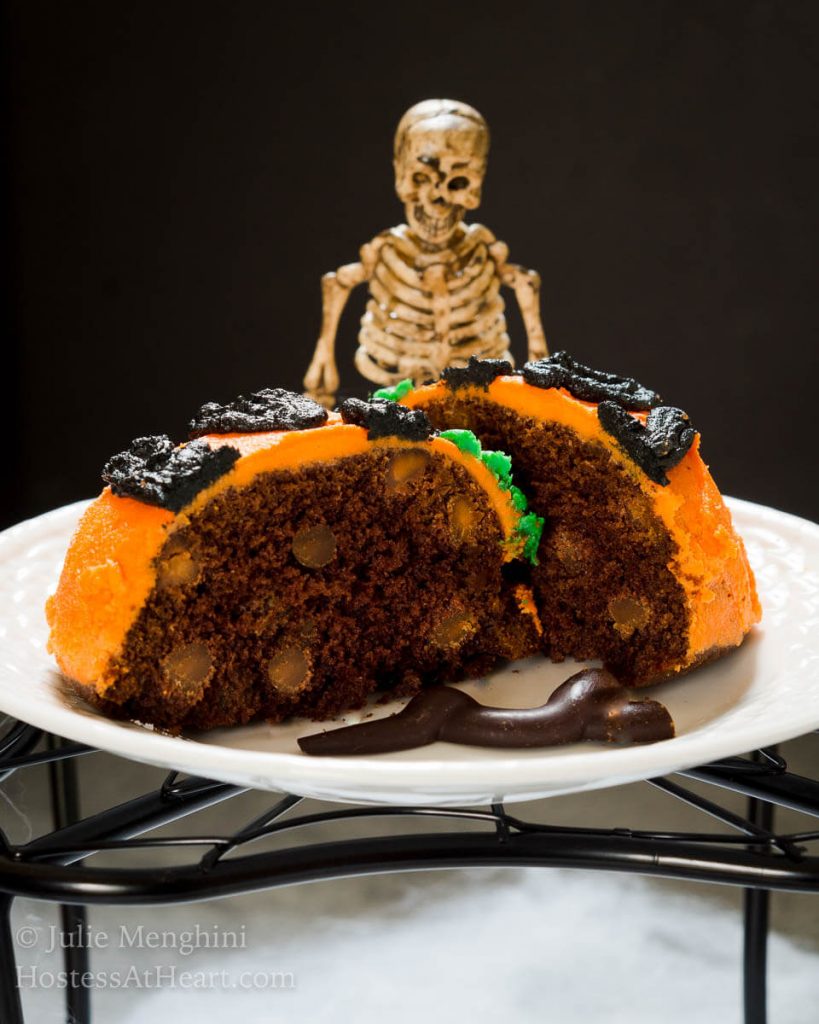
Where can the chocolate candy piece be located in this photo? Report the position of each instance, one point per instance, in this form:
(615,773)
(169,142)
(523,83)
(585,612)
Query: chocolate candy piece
(656,447)
(386,419)
(587,384)
(590,705)
(268,409)
(156,471)
(477,371)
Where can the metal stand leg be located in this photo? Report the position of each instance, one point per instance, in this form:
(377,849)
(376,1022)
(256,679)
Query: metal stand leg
(73,919)
(755,959)
(42,868)
(11,1009)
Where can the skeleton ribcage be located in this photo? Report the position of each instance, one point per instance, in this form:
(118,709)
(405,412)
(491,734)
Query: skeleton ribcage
(423,316)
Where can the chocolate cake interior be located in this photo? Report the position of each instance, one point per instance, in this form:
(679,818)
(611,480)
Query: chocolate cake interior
(602,585)
(305,590)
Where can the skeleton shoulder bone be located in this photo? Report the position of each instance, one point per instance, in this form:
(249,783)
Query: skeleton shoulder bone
(435,281)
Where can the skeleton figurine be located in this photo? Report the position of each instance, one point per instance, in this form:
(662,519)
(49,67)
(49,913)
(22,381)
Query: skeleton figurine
(434,282)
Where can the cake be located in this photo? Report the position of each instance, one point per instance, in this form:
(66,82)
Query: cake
(286,561)
(639,565)
(289,561)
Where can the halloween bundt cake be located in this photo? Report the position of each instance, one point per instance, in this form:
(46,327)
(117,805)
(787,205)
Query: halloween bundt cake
(289,561)
(639,564)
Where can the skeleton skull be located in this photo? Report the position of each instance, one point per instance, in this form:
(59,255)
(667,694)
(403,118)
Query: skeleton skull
(440,155)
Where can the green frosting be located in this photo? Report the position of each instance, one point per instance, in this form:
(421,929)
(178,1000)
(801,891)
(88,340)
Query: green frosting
(519,499)
(396,392)
(501,465)
(530,527)
(465,440)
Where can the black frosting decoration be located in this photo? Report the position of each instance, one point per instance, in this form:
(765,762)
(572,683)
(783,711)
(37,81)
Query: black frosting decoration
(477,371)
(154,470)
(383,418)
(590,705)
(268,409)
(562,371)
(656,447)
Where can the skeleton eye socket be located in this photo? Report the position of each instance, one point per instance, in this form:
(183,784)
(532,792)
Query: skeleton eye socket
(420,179)
(458,183)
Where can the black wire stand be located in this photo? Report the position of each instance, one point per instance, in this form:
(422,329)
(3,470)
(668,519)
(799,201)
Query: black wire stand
(52,867)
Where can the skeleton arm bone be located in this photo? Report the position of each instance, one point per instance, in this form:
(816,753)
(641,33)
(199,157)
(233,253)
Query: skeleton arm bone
(321,379)
(526,286)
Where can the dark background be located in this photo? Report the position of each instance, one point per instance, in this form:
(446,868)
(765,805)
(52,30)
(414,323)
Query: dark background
(181,174)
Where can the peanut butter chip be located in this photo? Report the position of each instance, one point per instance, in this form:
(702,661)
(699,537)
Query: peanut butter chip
(453,630)
(177,569)
(627,614)
(314,546)
(462,518)
(289,670)
(187,670)
(407,466)
(572,550)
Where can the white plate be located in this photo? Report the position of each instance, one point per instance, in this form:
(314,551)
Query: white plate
(766,692)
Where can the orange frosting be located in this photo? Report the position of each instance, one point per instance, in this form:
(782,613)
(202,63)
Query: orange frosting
(710,563)
(106,578)
(526,602)
(109,569)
